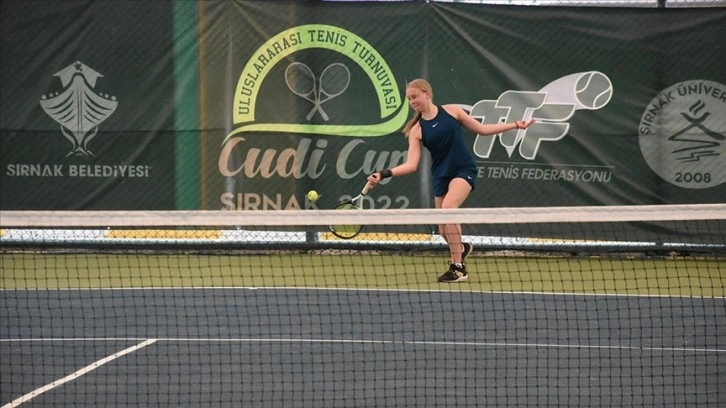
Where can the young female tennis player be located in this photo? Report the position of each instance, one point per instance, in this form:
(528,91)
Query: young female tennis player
(438,129)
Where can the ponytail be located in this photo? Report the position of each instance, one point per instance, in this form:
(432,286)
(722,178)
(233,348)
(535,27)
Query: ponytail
(411,123)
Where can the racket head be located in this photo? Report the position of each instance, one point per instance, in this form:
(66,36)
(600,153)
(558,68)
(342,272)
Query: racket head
(346,231)
(300,79)
(334,80)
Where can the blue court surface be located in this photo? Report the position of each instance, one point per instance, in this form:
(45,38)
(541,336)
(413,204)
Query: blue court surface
(293,347)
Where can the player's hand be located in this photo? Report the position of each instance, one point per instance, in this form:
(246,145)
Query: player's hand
(522,124)
(374,178)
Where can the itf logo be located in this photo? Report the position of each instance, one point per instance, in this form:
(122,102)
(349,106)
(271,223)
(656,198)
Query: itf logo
(78,108)
(552,106)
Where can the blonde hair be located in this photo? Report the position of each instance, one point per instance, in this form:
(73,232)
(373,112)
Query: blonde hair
(423,86)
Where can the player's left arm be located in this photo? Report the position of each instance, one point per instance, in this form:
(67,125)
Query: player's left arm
(473,125)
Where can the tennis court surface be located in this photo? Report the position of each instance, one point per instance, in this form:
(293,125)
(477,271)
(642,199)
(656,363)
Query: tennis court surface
(580,314)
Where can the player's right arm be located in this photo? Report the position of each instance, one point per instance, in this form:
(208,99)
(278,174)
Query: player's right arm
(413,156)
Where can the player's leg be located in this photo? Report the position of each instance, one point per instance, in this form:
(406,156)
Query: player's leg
(441,187)
(468,247)
(457,192)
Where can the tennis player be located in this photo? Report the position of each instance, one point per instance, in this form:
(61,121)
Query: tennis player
(439,129)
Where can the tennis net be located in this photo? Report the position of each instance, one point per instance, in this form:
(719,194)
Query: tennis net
(564,306)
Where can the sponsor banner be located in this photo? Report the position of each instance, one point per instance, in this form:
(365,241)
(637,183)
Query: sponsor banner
(247,105)
(318,102)
(87,106)
(311,106)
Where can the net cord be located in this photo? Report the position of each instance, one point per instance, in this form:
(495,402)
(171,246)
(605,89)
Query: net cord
(514,215)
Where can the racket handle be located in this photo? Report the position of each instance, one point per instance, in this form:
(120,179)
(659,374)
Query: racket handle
(366,189)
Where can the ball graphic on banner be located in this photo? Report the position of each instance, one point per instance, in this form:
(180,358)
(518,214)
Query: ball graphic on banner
(313,195)
(593,90)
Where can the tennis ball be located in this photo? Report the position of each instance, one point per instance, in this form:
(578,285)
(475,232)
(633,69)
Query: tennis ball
(313,195)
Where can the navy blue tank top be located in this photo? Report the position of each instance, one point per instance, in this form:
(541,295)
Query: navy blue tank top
(443,138)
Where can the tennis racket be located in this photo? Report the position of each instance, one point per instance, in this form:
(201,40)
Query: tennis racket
(301,81)
(356,203)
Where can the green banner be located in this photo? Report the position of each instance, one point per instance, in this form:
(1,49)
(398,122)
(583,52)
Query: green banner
(88,106)
(624,114)
(247,105)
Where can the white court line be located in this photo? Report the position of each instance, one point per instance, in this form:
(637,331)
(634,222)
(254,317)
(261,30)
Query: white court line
(383,342)
(27,397)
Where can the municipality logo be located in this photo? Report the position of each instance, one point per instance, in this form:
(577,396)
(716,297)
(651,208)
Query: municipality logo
(78,108)
(682,134)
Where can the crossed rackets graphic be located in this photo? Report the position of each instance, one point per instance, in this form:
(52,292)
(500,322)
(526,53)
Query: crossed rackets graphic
(332,82)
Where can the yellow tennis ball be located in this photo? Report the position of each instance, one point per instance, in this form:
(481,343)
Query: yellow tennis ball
(313,195)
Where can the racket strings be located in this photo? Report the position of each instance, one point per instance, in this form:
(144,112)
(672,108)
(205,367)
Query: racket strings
(346,231)
(300,79)
(335,79)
